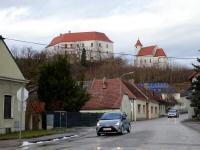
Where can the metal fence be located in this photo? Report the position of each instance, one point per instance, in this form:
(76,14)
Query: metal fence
(69,119)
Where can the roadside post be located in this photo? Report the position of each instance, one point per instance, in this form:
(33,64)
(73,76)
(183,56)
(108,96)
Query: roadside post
(22,95)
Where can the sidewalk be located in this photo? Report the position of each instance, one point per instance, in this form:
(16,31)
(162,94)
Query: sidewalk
(77,131)
(195,125)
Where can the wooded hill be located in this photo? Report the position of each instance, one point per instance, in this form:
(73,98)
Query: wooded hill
(30,62)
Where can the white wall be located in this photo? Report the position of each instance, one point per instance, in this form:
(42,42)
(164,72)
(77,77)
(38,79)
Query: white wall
(162,109)
(90,50)
(149,61)
(10,88)
(142,114)
(153,114)
(190,109)
(126,107)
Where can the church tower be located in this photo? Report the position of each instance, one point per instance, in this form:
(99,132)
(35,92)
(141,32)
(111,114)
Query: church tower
(138,46)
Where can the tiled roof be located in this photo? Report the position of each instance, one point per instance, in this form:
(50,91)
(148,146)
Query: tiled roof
(151,50)
(160,52)
(146,51)
(138,43)
(110,95)
(80,36)
(152,96)
(134,89)
(106,98)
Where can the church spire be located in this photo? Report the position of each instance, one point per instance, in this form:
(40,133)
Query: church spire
(138,43)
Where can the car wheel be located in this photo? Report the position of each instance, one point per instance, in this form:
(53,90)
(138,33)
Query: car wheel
(122,130)
(129,128)
(98,134)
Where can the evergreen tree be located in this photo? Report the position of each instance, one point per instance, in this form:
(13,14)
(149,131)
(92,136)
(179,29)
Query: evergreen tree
(83,57)
(57,88)
(195,91)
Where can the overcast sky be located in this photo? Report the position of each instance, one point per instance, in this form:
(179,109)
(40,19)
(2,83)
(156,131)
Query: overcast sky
(173,25)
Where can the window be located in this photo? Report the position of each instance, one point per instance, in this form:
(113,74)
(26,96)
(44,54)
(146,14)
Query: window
(71,45)
(139,108)
(82,44)
(99,44)
(143,109)
(156,110)
(106,45)
(150,60)
(65,45)
(145,61)
(152,109)
(7,106)
(92,44)
(77,45)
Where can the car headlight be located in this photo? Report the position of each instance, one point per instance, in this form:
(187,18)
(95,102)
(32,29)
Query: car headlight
(117,124)
(98,124)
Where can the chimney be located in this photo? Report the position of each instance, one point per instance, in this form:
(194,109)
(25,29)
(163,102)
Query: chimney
(104,83)
(60,34)
(69,31)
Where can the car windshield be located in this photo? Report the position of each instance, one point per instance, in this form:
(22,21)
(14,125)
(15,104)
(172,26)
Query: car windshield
(111,116)
(172,110)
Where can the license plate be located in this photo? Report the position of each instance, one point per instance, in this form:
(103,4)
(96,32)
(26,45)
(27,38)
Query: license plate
(106,129)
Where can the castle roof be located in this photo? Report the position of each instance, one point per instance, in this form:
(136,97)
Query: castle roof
(80,36)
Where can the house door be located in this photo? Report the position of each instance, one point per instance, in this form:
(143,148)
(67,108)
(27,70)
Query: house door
(147,110)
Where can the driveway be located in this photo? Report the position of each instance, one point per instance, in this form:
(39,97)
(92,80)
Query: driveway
(157,134)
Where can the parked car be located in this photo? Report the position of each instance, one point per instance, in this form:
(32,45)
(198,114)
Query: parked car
(173,113)
(113,122)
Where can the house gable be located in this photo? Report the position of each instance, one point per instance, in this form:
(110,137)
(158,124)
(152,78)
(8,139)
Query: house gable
(8,66)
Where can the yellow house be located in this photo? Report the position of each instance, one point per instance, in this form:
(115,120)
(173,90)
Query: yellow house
(11,80)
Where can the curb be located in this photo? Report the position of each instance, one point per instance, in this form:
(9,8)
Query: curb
(28,143)
(38,140)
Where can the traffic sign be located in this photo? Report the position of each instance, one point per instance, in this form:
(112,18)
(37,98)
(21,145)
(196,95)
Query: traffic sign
(22,94)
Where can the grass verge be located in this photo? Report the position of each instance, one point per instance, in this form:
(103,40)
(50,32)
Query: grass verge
(32,134)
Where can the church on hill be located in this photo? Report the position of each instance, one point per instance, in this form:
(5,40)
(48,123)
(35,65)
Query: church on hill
(150,56)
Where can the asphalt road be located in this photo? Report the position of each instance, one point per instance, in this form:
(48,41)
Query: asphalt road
(157,134)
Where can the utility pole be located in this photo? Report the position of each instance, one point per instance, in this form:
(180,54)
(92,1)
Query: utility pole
(21,110)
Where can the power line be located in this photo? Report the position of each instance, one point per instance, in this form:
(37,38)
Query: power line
(113,53)
(36,43)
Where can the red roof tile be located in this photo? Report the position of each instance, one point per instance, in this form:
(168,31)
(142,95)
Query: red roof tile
(135,90)
(153,97)
(110,97)
(146,51)
(160,52)
(138,43)
(106,98)
(80,36)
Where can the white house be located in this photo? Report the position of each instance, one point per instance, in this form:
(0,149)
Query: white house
(97,45)
(11,79)
(150,56)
